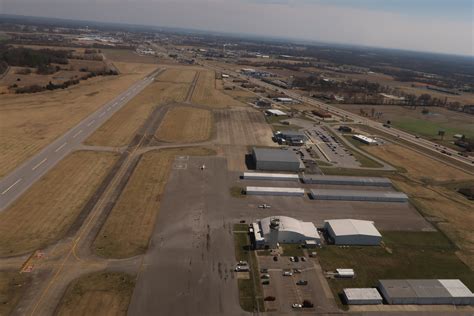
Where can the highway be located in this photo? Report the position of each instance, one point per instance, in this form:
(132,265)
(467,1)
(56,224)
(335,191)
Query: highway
(18,181)
(450,153)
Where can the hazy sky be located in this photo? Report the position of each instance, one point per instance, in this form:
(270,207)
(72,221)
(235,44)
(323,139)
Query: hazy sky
(427,25)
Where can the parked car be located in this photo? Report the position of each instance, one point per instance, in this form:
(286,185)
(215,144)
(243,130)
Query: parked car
(303,259)
(292,259)
(269,298)
(263,270)
(265,276)
(307,304)
(287,273)
(242,263)
(302,282)
(296,305)
(265,282)
(296,271)
(275,258)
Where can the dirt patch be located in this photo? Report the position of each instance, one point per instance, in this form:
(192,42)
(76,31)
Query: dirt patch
(185,124)
(128,228)
(206,92)
(45,212)
(123,125)
(31,122)
(106,293)
(12,287)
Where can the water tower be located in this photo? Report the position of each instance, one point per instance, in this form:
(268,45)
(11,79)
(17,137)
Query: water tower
(274,229)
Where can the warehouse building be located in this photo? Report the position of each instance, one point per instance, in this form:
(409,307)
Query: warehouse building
(274,112)
(362,296)
(271,231)
(343,180)
(276,160)
(356,195)
(426,292)
(352,232)
(274,191)
(271,176)
(292,138)
(364,139)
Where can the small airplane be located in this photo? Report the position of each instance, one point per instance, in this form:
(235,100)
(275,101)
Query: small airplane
(264,206)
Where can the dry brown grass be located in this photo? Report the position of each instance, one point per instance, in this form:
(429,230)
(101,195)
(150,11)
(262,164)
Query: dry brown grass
(178,75)
(106,293)
(127,56)
(418,165)
(32,121)
(130,224)
(122,126)
(184,125)
(206,92)
(12,287)
(45,212)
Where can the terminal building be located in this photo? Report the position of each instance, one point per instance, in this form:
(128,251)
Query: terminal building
(352,232)
(426,292)
(276,160)
(271,231)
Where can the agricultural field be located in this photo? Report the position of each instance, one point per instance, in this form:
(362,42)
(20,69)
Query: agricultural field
(32,121)
(127,56)
(128,228)
(404,255)
(178,75)
(206,92)
(106,293)
(414,121)
(122,126)
(45,211)
(184,125)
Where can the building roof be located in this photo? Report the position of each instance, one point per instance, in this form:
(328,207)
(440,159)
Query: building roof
(362,294)
(365,138)
(290,224)
(359,193)
(273,176)
(349,179)
(276,112)
(348,227)
(425,288)
(277,155)
(274,189)
(292,133)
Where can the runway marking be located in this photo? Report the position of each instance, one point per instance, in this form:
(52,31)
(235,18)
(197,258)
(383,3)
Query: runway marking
(39,164)
(90,123)
(101,114)
(9,188)
(60,147)
(77,134)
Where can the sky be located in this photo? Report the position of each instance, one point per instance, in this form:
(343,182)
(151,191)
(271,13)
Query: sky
(444,26)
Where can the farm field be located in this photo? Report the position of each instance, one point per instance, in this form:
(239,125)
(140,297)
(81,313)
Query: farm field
(129,226)
(415,122)
(404,255)
(206,92)
(46,210)
(106,293)
(185,124)
(178,75)
(122,126)
(32,121)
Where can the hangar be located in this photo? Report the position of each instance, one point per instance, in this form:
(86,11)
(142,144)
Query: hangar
(426,292)
(274,191)
(271,176)
(269,231)
(347,180)
(362,296)
(356,195)
(276,160)
(352,232)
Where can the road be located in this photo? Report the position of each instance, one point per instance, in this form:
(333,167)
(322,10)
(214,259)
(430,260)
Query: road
(467,162)
(18,181)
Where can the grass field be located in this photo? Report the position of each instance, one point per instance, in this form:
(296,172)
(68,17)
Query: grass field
(405,255)
(12,287)
(185,124)
(128,56)
(45,212)
(30,122)
(122,126)
(206,92)
(178,75)
(106,293)
(250,290)
(130,223)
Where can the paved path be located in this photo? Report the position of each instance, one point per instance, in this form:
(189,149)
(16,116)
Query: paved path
(18,181)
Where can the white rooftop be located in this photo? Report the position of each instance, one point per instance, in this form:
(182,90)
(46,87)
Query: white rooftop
(276,112)
(456,288)
(347,227)
(275,189)
(362,294)
(290,224)
(365,138)
(272,175)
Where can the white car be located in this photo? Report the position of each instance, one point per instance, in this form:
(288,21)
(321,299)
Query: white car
(264,206)
(287,273)
(296,305)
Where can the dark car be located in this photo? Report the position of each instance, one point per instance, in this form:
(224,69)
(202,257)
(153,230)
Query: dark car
(275,258)
(302,282)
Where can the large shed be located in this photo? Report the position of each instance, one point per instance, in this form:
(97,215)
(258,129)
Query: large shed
(274,191)
(426,292)
(276,160)
(347,180)
(352,232)
(358,195)
(362,296)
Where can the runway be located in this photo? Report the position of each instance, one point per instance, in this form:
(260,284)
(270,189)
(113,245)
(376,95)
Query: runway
(18,181)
